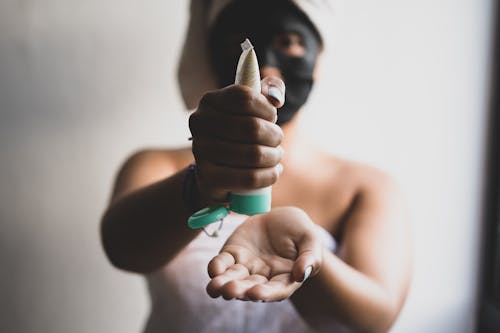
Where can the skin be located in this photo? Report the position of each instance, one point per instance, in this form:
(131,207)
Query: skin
(258,263)
(362,287)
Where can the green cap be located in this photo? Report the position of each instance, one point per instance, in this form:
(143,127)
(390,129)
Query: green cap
(206,216)
(250,204)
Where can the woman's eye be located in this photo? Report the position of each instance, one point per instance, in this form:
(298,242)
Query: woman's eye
(290,44)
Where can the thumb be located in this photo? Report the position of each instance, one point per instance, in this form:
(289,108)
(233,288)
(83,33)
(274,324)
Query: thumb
(309,259)
(274,90)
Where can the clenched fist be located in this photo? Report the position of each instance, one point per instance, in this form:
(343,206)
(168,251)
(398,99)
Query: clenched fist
(236,143)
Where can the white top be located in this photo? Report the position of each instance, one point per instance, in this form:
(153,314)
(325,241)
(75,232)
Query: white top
(180,302)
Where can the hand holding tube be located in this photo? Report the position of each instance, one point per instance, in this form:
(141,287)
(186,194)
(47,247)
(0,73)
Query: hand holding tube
(236,141)
(235,138)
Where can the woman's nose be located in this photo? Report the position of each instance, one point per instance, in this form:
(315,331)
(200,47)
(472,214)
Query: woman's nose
(266,71)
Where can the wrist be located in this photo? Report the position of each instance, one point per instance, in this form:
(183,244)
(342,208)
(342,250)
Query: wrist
(200,200)
(191,195)
(194,196)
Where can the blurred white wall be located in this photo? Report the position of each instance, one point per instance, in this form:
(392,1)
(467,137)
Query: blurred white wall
(85,83)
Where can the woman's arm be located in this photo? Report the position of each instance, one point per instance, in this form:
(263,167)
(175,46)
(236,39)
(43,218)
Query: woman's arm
(364,288)
(145,223)
(236,147)
(361,290)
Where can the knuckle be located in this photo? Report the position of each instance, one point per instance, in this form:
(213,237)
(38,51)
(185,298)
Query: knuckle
(255,128)
(251,180)
(250,100)
(245,97)
(277,135)
(274,156)
(280,134)
(273,178)
(257,155)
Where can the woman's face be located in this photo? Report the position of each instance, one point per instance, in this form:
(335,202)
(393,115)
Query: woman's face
(283,38)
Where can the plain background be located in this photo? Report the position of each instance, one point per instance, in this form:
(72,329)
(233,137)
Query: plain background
(85,83)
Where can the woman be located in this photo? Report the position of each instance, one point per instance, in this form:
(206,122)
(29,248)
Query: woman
(338,224)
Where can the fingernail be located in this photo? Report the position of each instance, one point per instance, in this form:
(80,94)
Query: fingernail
(282,151)
(275,93)
(307,272)
(279,168)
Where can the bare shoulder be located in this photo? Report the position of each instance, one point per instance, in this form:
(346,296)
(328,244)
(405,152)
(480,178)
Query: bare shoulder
(378,199)
(356,189)
(377,212)
(375,181)
(363,179)
(148,166)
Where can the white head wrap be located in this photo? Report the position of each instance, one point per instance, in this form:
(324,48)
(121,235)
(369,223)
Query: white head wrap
(195,72)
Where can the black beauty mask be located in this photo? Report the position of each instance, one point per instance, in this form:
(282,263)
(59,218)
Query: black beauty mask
(283,38)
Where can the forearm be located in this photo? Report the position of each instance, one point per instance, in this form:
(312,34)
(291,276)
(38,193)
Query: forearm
(144,229)
(339,294)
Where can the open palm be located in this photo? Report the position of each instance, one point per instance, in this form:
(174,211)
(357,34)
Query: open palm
(267,257)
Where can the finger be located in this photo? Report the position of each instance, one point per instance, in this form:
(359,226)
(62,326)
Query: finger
(274,90)
(238,288)
(239,100)
(236,128)
(234,272)
(309,258)
(233,179)
(220,263)
(279,288)
(257,266)
(237,154)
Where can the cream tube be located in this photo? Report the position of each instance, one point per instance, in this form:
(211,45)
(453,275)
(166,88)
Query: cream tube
(247,73)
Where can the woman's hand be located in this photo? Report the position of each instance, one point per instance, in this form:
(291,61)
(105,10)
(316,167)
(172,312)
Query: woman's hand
(235,139)
(267,257)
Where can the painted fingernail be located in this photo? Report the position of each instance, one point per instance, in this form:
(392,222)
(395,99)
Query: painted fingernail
(279,168)
(307,272)
(275,93)
(282,151)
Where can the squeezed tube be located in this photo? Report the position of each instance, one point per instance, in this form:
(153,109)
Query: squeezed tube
(250,202)
(257,201)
